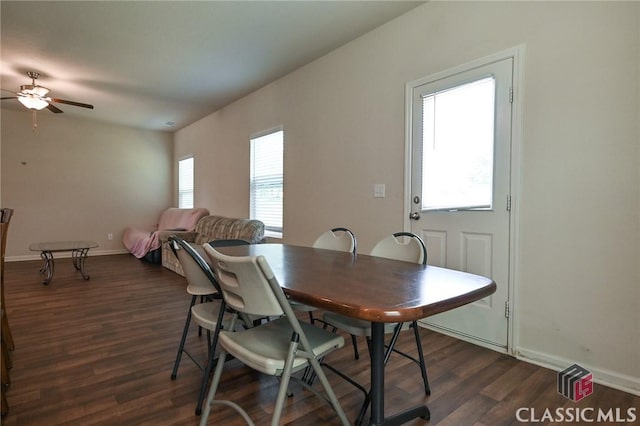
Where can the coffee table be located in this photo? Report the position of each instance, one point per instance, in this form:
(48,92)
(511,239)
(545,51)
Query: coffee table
(78,249)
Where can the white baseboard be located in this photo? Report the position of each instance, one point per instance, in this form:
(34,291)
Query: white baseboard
(459,336)
(604,377)
(64,254)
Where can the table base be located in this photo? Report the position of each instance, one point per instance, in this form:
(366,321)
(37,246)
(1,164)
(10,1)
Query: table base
(376,394)
(78,257)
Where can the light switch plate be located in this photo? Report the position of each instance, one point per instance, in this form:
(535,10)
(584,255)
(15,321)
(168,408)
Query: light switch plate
(379,190)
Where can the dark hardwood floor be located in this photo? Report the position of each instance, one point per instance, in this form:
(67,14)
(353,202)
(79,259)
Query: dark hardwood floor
(101,352)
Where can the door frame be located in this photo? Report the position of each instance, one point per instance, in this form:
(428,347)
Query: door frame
(517,54)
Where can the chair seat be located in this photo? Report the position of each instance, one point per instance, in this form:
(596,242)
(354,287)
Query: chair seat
(265,348)
(196,290)
(301,307)
(355,326)
(206,315)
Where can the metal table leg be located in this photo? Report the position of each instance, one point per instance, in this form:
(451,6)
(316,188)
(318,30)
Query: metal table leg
(79,256)
(47,267)
(378,356)
(377,373)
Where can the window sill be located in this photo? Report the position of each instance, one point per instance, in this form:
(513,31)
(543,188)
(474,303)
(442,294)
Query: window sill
(273,234)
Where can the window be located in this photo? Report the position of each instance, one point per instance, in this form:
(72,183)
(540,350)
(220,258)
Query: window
(185,183)
(457,137)
(266,181)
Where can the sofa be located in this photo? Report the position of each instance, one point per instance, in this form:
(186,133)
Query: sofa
(144,242)
(210,228)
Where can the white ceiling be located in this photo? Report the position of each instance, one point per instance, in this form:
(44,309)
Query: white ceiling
(146,63)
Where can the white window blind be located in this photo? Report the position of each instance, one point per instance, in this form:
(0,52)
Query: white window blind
(266,191)
(185,183)
(458,136)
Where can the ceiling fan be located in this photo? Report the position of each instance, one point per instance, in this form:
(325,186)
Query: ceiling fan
(34,97)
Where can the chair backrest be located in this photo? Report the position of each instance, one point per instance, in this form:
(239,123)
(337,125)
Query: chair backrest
(243,284)
(339,239)
(250,287)
(402,246)
(200,277)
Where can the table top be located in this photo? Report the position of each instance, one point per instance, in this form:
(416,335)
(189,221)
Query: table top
(367,287)
(63,245)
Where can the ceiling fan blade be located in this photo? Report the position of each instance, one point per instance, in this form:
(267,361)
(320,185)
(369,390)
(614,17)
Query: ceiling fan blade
(11,97)
(54,108)
(78,104)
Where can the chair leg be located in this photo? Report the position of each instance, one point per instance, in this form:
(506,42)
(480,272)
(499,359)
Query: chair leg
(6,380)
(6,332)
(213,388)
(328,390)
(423,368)
(176,364)
(6,356)
(211,361)
(284,383)
(354,342)
(419,361)
(392,342)
(5,404)
(202,300)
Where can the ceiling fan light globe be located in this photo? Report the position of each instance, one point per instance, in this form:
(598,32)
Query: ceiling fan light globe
(40,91)
(32,101)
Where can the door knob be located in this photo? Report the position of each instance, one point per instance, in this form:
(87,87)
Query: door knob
(414,216)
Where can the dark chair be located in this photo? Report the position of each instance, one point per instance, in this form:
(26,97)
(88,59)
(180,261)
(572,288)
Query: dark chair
(6,338)
(210,314)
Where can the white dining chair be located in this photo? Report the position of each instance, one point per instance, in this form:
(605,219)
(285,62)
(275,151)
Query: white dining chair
(280,347)
(407,247)
(339,239)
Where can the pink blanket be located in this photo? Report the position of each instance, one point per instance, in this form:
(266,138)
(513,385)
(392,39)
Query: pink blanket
(141,241)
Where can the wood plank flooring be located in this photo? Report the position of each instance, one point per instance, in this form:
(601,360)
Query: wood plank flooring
(100,352)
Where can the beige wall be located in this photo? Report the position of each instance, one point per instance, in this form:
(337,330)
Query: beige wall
(578,202)
(80,179)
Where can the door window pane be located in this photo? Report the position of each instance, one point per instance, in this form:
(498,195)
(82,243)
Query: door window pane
(457,156)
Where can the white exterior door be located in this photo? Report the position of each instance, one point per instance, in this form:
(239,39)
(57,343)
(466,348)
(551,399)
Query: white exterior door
(460,193)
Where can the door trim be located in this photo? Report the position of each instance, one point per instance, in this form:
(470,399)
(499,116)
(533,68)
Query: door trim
(517,54)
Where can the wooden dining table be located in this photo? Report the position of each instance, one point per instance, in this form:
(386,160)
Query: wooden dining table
(373,289)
